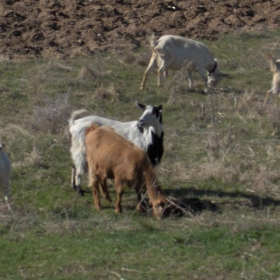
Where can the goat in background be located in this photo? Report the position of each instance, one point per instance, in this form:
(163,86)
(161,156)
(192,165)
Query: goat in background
(275,70)
(172,52)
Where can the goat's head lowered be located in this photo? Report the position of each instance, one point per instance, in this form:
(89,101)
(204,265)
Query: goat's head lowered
(214,76)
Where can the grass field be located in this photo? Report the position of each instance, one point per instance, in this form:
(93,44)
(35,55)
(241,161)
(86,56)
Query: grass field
(221,162)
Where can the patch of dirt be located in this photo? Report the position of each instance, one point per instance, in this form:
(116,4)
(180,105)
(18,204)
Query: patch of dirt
(61,28)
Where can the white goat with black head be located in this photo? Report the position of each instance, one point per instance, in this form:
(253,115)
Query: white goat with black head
(5,173)
(172,52)
(146,132)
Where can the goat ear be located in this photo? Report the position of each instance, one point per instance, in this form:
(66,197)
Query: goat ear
(140,106)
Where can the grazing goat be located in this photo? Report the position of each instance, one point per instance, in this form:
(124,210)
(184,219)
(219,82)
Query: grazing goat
(5,173)
(110,156)
(146,132)
(172,52)
(275,70)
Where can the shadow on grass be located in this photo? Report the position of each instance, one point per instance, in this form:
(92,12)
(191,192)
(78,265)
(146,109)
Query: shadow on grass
(179,205)
(192,201)
(186,206)
(233,198)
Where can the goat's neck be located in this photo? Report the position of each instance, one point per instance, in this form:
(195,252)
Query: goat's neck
(152,185)
(216,68)
(158,129)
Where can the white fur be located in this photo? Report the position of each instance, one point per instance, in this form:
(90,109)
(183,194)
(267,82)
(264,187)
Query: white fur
(172,52)
(275,84)
(129,130)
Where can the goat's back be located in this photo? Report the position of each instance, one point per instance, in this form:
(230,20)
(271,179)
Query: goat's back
(113,154)
(182,49)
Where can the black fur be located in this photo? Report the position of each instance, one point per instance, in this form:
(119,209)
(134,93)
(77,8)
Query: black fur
(156,149)
(141,129)
(214,68)
(157,111)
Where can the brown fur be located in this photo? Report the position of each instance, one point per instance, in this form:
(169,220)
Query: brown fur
(110,156)
(275,70)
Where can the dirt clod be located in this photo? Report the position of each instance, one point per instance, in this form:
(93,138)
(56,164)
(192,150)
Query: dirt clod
(56,28)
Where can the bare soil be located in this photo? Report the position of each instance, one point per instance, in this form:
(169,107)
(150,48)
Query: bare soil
(62,28)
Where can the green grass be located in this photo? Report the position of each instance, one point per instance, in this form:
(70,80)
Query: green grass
(221,162)
(138,250)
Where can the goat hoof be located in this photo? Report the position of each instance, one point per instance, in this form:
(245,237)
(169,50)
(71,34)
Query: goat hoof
(81,192)
(117,210)
(139,208)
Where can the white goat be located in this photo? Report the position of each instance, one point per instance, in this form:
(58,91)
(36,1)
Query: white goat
(146,133)
(172,52)
(275,70)
(5,173)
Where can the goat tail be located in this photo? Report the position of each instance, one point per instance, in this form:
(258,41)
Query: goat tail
(78,114)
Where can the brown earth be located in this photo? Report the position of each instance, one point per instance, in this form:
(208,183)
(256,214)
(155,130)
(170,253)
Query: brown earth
(61,28)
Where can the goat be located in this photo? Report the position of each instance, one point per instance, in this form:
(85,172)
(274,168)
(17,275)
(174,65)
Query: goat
(275,85)
(110,156)
(5,173)
(172,52)
(146,132)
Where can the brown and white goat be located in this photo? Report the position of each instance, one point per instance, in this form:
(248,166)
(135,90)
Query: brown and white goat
(110,156)
(5,173)
(275,70)
(147,133)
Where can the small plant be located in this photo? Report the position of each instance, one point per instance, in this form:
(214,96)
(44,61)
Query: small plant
(86,72)
(178,83)
(110,94)
(52,116)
